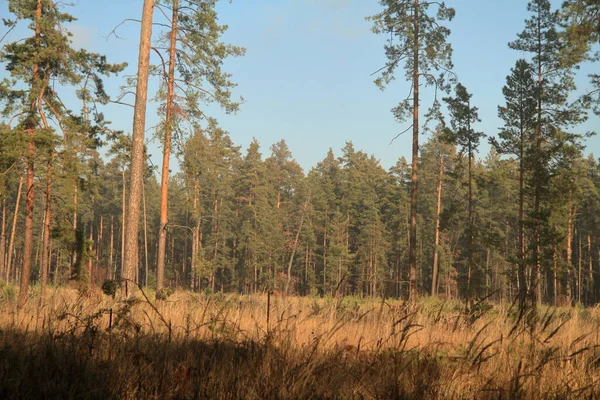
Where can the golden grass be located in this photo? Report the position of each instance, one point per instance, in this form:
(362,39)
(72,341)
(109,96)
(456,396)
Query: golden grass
(227,346)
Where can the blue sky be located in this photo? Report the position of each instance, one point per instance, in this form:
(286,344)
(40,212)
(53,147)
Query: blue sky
(306,76)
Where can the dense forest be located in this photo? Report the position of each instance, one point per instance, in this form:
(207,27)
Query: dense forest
(521,222)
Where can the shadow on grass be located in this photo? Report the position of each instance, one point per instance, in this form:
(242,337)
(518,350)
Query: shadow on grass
(98,366)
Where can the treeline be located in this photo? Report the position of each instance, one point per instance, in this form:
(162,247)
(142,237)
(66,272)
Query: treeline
(247,222)
(520,222)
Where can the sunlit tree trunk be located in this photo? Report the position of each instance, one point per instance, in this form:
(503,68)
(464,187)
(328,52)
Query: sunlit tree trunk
(164,186)
(29,203)
(3,238)
(112,249)
(11,243)
(146,271)
(123,217)
(137,152)
(569,286)
(46,239)
(434,281)
(590,284)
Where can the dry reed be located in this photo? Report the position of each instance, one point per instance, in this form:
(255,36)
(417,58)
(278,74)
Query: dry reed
(89,345)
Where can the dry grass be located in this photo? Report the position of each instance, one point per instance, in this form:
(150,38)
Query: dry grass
(226,346)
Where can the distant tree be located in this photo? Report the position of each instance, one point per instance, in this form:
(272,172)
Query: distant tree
(437,158)
(462,134)
(555,82)
(194,77)
(517,138)
(39,61)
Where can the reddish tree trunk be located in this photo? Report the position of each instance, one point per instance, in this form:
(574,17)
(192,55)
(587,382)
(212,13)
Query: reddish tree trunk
(137,152)
(46,239)
(164,186)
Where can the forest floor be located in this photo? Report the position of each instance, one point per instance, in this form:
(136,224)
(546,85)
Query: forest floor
(89,345)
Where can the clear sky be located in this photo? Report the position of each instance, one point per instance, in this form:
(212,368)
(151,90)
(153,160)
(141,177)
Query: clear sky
(306,76)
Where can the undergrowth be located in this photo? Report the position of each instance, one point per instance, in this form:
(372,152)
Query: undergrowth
(89,345)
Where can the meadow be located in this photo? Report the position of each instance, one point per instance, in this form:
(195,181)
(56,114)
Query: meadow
(87,345)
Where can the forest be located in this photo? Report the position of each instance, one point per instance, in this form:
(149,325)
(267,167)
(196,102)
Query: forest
(231,271)
(520,221)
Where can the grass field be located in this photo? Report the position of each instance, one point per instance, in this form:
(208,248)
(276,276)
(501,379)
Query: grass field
(89,345)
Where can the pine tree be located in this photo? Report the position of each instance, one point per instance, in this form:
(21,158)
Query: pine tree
(553,113)
(516,138)
(137,151)
(194,77)
(462,118)
(419,42)
(436,160)
(39,60)
(581,18)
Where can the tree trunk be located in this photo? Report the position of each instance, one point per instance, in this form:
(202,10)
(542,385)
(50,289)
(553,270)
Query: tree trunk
(471,245)
(90,259)
(434,280)
(111,250)
(579,276)
(123,218)
(29,203)
(569,251)
(137,152)
(145,237)
(164,185)
(325,256)
(289,269)
(11,243)
(73,254)
(46,239)
(521,272)
(590,284)
(555,270)
(58,260)
(99,238)
(28,240)
(536,270)
(412,248)
(195,236)
(3,238)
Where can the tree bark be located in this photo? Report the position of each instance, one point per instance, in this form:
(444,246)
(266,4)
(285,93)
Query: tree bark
(289,269)
(590,284)
(73,254)
(434,281)
(28,239)
(579,276)
(11,243)
(90,259)
(123,218)
(536,270)
(99,238)
(111,250)
(137,152)
(195,235)
(3,238)
(521,271)
(471,222)
(46,239)
(569,251)
(164,185)
(145,237)
(412,248)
